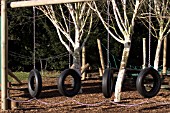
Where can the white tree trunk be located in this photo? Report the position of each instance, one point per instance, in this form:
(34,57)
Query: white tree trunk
(122,70)
(158,49)
(76,61)
(76,58)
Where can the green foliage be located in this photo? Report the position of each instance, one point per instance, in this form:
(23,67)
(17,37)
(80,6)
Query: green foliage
(49,49)
(21,41)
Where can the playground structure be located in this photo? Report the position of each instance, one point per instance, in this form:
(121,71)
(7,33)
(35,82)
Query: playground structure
(107,83)
(4,38)
(146,76)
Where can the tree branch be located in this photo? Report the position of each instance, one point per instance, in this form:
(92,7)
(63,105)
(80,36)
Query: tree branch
(88,34)
(105,25)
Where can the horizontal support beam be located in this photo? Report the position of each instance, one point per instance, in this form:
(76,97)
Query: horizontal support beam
(42,2)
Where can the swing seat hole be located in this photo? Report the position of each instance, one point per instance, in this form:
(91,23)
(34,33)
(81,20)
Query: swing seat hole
(148,82)
(69,83)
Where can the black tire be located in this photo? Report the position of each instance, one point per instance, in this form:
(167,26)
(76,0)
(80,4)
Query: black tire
(76,86)
(107,83)
(156,82)
(34,90)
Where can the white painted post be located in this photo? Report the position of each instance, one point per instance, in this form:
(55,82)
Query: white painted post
(42,2)
(164,56)
(144,53)
(4,55)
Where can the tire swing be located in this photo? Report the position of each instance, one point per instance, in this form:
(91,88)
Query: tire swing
(148,75)
(76,83)
(107,83)
(34,83)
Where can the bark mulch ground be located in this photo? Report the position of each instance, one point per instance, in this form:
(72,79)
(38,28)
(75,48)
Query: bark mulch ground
(90,101)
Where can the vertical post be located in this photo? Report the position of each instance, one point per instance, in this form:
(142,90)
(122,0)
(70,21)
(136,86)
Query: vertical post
(101,56)
(83,62)
(4,56)
(164,56)
(144,53)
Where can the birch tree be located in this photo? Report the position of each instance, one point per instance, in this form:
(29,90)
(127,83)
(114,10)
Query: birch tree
(159,24)
(121,26)
(80,21)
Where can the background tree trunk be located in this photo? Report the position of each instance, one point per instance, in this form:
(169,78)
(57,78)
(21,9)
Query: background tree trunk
(157,55)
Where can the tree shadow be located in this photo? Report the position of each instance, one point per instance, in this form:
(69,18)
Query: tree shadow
(156,107)
(47,92)
(88,87)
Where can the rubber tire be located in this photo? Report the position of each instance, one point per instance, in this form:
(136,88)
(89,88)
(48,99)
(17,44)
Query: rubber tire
(107,83)
(156,82)
(34,74)
(77,82)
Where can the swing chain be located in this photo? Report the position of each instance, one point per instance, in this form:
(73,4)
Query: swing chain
(149,62)
(108,36)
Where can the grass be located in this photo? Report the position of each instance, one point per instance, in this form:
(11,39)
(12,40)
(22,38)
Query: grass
(23,76)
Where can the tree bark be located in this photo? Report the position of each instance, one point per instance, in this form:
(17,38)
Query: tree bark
(101,57)
(76,61)
(122,70)
(157,55)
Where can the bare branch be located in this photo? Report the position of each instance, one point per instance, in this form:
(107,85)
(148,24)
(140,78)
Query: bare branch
(63,42)
(167,27)
(88,34)
(82,10)
(71,10)
(134,15)
(85,20)
(118,18)
(105,25)
(64,18)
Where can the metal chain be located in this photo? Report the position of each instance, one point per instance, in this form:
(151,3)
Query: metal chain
(149,62)
(108,35)
(34,36)
(69,25)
